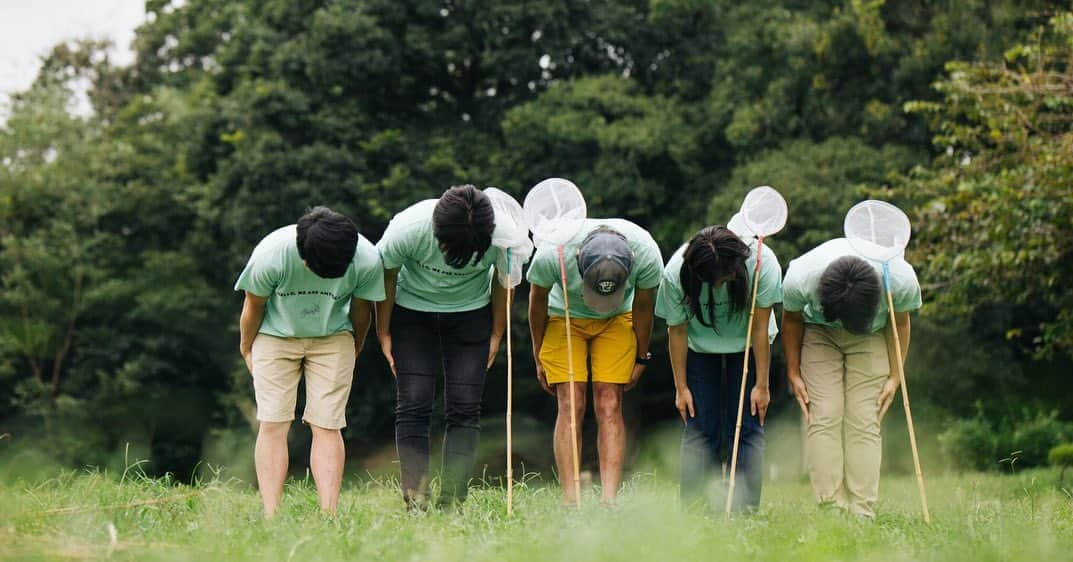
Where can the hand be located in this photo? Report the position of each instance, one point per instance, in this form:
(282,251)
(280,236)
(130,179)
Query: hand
(385,346)
(797,384)
(359,345)
(493,349)
(886,396)
(683,400)
(759,399)
(247,355)
(543,379)
(635,377)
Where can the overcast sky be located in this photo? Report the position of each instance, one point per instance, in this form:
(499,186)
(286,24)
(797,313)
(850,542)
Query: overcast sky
(29,28)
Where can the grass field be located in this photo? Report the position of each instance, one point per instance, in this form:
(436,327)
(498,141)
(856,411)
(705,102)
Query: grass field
(94,515)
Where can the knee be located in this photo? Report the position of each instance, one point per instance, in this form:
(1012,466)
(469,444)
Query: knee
(609,409)
(463,413)
(824,419)
(695,436)
(414,405)
(413,412)
(275,429)
(579,406)
(320,432)
(608,398)
(863,424)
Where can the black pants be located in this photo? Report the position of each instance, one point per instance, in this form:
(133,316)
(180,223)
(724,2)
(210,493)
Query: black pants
(715,382)
(424,344)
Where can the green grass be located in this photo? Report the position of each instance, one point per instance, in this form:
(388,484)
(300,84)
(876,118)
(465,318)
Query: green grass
(976,517)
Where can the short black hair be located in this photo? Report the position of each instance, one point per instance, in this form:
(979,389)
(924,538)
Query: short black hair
(463,222)
(850,291)
(327,241)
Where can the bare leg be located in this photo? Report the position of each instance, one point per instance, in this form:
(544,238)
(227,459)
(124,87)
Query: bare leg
(611,441)
(270,458)
(564,458)
(326,459)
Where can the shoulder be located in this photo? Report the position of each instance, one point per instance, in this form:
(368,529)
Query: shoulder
(639,238)
(821,255)
(276,244)
(902,270)
(415,217)
(365,252)
(673,270)
(674,265)
(767,253)
(811,262)
(545,253)
(629,229)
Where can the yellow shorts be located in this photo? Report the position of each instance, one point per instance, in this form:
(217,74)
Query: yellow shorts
(328,366)
(609,342)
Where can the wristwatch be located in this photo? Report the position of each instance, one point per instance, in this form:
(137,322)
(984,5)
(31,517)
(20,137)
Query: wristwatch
(644,359)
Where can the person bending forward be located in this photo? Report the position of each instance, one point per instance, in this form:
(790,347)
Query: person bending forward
(834,314)
(705,298)
(613,269)
(445,313)
(309,288)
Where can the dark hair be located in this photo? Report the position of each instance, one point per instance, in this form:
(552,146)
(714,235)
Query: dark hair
(327,241)
(713,254)
(849,291)
(463,222)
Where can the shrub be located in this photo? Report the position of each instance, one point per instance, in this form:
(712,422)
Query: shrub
(969,444)
(982,443)
(1062,456)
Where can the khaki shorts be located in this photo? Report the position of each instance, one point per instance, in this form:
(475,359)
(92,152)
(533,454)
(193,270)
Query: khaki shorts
(609,343)
(328,365)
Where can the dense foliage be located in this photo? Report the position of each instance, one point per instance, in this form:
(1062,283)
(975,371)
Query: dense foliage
(995,209)
(122,230)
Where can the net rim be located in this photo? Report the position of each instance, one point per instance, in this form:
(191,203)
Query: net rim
(888,252)
(561,228)
(761,230)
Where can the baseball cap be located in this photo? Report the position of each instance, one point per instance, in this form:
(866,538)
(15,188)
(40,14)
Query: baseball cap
(605,261)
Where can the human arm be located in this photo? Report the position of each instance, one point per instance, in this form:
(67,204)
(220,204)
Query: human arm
(760,397)
(253,313)
(538,320)
(793,333)
(678,349)
(644,307)
(499,319)
(383,316)
(361,317)
(890,388)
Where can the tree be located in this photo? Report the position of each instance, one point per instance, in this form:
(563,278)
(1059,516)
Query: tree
(993,210)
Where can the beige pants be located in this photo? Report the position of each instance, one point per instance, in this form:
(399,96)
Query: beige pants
(328,365)
(844,374)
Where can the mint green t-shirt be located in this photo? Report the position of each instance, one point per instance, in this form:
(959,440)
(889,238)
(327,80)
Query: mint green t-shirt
(425,282)
(646,272)
(801,286)
(732,327)
(302,304)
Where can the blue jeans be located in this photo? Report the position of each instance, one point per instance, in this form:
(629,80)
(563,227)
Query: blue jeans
(715,382)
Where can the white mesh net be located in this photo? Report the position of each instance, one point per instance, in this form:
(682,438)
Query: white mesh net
(877,229)
(737,226)
(555,210)
(511,234)
(764,211)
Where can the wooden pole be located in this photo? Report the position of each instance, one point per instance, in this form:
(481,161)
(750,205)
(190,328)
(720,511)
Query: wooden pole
(744,377)
(510,395)
(900,366)
(570,371)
